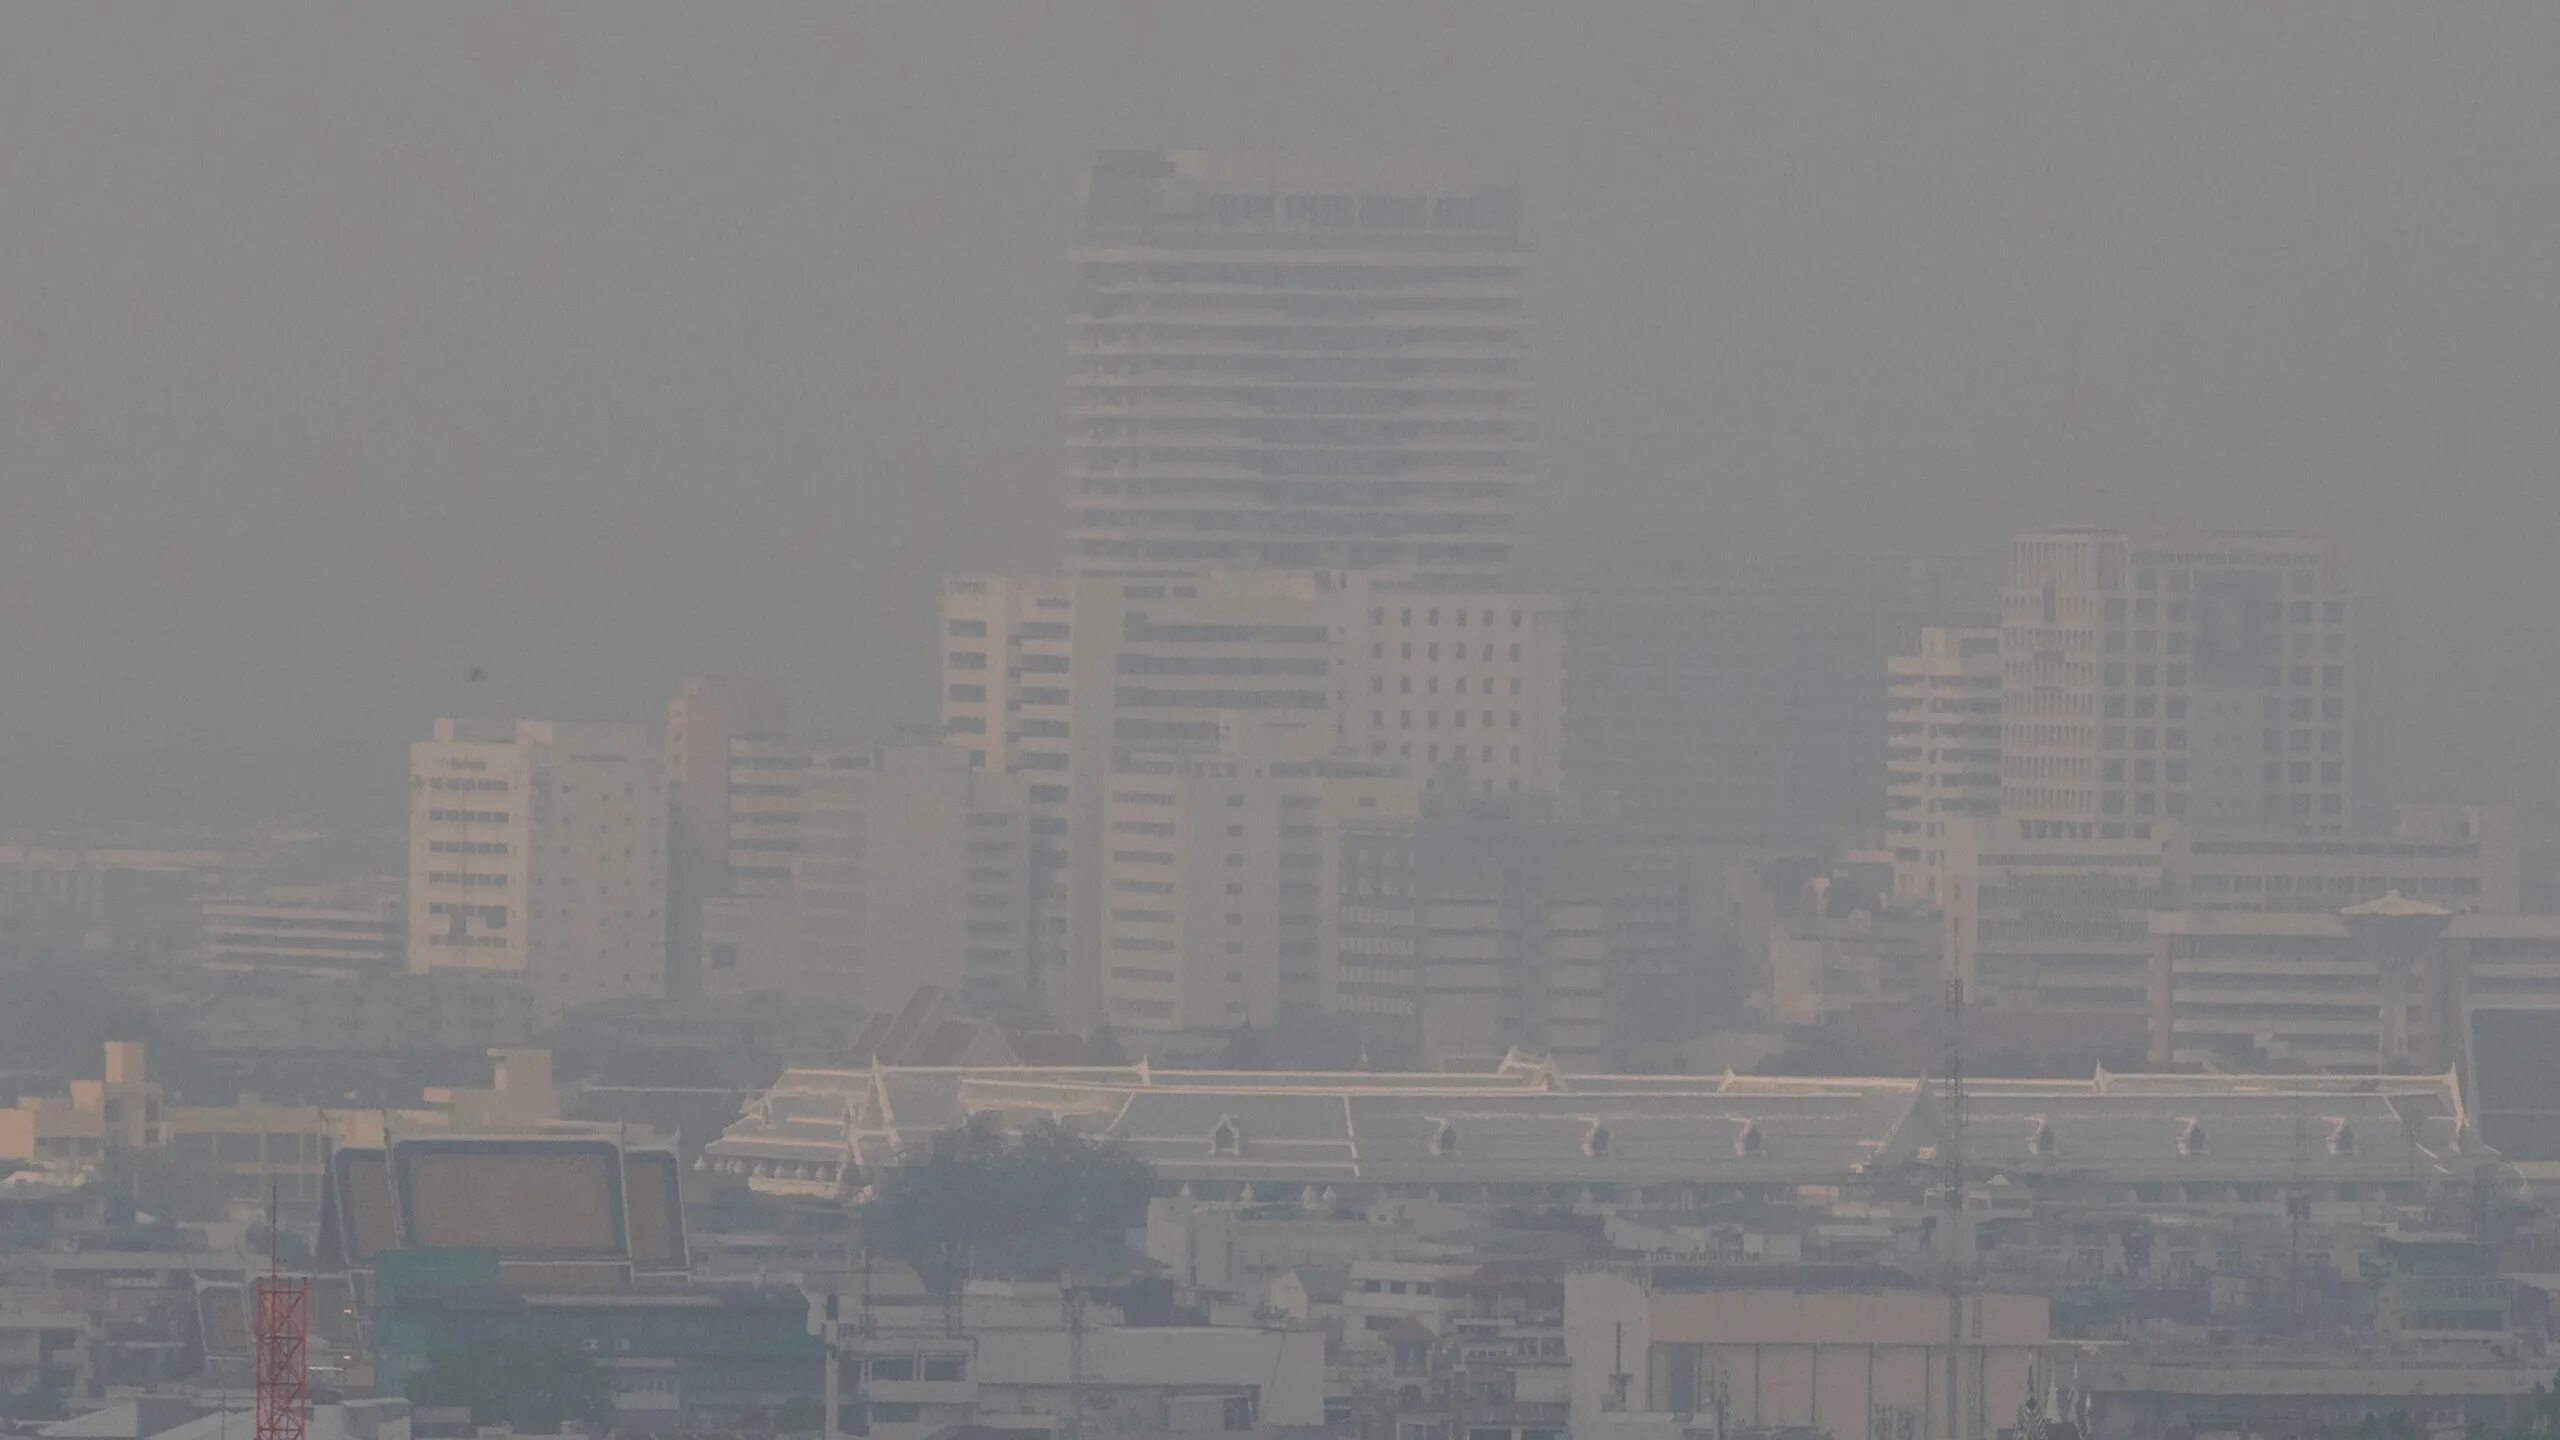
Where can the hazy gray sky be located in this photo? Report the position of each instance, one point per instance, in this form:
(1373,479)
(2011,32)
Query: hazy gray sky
(345,347)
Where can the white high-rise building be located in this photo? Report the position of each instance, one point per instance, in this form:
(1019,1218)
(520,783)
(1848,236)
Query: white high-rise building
(1295,363)
(1059,679)
(2156,677)
(541,848)
(1942,750)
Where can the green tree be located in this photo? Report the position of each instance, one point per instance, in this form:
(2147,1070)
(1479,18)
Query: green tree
(977,1201)
(530,1387)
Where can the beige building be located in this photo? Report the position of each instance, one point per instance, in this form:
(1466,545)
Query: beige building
(703,717)
(2465,858)
(1685,1349)
(1736,702)
(906,867)
(540,848)
(1214,881)
(2394,982)
(1059,679)
(1822,964)
(2040,920)
(1464,687)
(2045,915)
(769,783)
(1295,363)
(1474,928)
(2158,677)
(1942,750)
(341,932)
(251,1149)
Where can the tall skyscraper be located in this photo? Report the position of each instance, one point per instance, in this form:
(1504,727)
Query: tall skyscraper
(541,848)
(2152,677)
(1295,363)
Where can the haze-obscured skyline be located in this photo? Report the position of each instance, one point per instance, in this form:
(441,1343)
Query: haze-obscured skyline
(341,351)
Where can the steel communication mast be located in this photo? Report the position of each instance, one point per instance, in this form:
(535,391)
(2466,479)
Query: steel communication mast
(284,1319)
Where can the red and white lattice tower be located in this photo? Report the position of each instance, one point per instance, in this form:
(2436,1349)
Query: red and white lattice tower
(284,1320)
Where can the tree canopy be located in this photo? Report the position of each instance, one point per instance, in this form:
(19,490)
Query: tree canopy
(534,1388)
(976,1200)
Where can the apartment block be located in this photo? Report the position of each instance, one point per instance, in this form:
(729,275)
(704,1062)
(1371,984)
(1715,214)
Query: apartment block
(2050,915)
(1739,702)
(1942,750)
(1473,928)
(905,867)
(1214,879)
(2389,983)
(1467,687)
(334,931)
(703,717)
(1822,1348)
(540,848)
(769,781)
(2157,677)
(1295,363)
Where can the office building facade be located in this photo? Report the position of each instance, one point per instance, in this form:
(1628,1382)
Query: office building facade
(540,848)
(2157,677)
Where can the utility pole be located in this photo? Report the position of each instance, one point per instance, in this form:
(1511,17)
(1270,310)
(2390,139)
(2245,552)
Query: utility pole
(1951,1149)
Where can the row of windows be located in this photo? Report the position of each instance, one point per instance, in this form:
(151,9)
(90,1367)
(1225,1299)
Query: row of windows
(1431,685)
(1431,721)
(1431,650)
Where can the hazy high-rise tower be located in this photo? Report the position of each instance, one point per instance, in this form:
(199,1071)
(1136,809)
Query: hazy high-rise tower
(1295,363)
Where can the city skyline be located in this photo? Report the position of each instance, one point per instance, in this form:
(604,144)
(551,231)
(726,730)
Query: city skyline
(1724,347)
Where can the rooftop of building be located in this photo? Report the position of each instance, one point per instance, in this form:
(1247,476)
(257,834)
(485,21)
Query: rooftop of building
(1524,1122)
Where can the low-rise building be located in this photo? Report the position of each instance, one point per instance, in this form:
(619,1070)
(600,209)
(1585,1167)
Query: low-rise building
(309,930)
(1663,1352)
(2324,1390)
(1038,1357)
(2393,982)
(676,1356)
